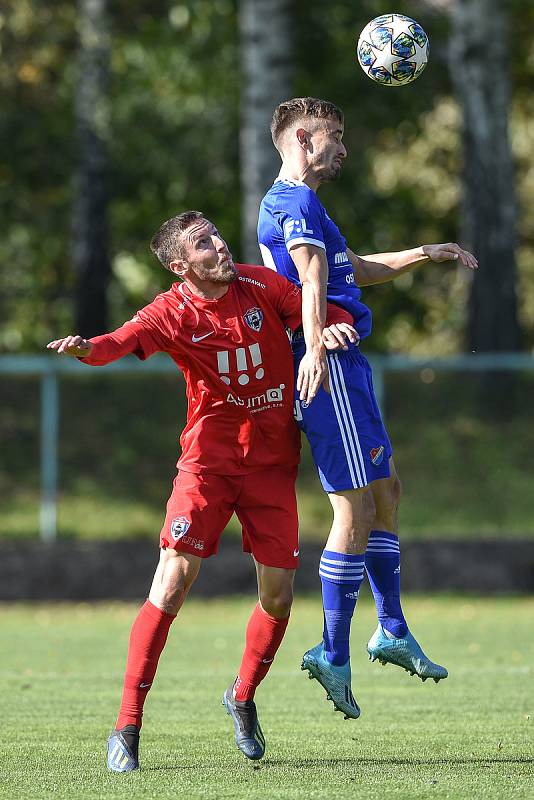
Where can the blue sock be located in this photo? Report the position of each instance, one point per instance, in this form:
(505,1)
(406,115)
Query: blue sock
(382,562)
(341,577)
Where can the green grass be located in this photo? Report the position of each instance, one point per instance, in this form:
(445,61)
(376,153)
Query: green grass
(470,736)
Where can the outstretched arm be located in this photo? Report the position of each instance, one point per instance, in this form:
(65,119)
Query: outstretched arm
(383,267)
(131,337)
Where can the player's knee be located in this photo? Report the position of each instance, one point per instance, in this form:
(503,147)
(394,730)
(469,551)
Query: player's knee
(176,587)
(368,508)
(277,603)
(173,579)
(170,595)
(397,490)
(394,494)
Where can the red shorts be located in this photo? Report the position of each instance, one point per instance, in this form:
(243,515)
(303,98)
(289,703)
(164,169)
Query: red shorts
(200,507)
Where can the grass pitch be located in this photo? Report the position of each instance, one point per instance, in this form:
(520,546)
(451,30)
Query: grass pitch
(470,736)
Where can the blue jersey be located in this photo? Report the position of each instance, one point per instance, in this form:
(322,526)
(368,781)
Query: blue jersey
(290,214)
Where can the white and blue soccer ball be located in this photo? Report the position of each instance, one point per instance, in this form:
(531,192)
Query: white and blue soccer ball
(393,49)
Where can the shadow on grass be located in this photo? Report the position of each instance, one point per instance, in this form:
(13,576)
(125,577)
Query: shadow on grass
(312,763)
(398,762)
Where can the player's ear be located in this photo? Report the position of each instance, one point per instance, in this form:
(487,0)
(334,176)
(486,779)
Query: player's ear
(302,137)
(179,267)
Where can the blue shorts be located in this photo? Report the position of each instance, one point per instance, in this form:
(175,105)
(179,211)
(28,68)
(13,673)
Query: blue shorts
(348,440)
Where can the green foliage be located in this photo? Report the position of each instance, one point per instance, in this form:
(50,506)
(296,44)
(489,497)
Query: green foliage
(401,185)
(468,737)
(175,98)
(174,120)
(173,146)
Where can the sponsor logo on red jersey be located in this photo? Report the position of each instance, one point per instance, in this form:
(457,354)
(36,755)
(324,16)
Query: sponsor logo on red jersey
(271,398)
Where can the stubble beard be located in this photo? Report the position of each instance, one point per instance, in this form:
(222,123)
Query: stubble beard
(223,274)
(330,174)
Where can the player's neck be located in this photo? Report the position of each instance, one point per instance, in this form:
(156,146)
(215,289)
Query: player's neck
(299,173)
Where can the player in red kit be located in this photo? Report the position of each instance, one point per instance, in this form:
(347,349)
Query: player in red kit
(225,327)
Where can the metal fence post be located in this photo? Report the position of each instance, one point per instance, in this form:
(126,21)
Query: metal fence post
(49,467)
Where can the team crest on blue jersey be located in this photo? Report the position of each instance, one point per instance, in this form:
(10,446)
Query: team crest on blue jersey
(254,318)
(179,527)
(377,455)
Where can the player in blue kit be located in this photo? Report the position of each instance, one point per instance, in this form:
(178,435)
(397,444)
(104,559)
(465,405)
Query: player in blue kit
(348,440)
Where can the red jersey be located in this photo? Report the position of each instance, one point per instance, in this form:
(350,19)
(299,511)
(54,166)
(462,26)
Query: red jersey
(237,364)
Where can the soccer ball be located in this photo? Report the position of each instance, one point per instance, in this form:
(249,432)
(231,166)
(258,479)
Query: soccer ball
(393,49)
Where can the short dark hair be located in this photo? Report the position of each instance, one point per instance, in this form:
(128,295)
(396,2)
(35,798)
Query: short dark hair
(166,243)
(290,111)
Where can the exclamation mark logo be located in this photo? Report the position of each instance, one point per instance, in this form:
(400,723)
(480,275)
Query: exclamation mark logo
(223,364)
(255,354)
(241,355)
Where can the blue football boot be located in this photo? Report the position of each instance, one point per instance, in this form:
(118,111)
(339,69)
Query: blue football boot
(123,749)
(248,733)
(404,652)
(336,680)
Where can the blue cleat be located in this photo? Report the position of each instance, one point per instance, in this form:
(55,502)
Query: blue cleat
(336,680)
(248,733)
(404,652)
(123,749)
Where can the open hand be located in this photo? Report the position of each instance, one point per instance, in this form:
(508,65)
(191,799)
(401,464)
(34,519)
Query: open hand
(450,252)
(313,370)
(71,346)
(337,336)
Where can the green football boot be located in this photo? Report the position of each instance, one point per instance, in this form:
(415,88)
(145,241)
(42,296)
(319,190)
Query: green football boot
(335,680)
(404,652)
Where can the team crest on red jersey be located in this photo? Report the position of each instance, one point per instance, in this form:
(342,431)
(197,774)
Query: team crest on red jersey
(254,318)
(179,527)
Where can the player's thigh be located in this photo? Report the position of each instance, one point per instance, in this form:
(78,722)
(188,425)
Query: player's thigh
(267,510)
(348,440)
(198,510)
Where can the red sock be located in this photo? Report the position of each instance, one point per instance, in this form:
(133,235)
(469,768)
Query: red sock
(264,636)
(147,640)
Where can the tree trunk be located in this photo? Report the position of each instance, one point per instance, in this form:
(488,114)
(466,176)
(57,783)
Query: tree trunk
(266,61)
(89,224)
(479,70)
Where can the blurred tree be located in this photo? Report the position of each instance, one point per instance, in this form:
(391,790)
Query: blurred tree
(479,33)
(174,115)
(267,58)
(38,45)
(174,91)
(173,144)
(90,252)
